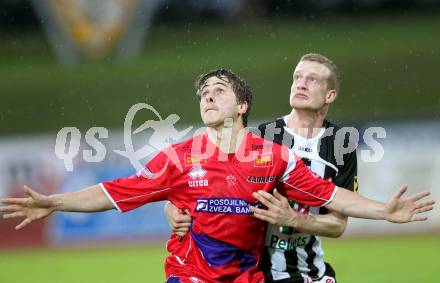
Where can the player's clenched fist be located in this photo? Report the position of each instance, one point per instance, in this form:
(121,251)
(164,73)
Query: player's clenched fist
(179,220)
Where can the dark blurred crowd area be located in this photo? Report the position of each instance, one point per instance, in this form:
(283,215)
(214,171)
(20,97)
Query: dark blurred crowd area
(17,15)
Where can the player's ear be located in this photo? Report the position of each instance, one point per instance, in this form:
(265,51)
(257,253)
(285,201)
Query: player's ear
(330,96)
(243,107)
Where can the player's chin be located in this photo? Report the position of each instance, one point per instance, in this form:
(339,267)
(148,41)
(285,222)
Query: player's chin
(212,122)
(302,104)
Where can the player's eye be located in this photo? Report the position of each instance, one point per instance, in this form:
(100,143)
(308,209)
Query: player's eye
(314,81)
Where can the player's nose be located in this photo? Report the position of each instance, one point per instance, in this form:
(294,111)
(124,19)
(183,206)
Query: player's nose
(301,86)
(209,97)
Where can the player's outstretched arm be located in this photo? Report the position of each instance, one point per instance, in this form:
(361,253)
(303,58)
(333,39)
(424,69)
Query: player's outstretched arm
(178,219)
(398,209)
(37,206)
(280,213)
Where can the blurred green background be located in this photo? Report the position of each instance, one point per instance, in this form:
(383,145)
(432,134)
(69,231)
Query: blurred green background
(389,67)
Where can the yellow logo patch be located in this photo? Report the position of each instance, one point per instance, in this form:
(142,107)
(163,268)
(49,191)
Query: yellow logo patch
(263,160)
(191,160)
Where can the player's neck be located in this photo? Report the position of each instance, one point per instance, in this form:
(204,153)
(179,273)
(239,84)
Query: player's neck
(306,123)
(227,138)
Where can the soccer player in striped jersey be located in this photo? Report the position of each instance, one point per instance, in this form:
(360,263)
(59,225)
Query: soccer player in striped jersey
(306,131)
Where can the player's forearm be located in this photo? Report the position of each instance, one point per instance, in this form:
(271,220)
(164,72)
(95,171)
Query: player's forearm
(326,225)
(90,199)
(354,205)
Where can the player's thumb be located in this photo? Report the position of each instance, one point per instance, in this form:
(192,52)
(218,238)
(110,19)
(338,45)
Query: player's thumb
(33,194)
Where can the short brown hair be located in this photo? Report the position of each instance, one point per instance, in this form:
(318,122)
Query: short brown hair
(333,79)
(241,89)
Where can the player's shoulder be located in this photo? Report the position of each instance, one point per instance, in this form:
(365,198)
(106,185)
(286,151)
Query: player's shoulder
(340,136)
(267,148)
(273,130)
(185,146)
(272,125)
(182,153)
(330,125)
(260,143)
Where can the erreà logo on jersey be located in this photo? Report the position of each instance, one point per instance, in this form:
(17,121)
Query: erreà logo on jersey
(196,174)
(263,160)
(191,159)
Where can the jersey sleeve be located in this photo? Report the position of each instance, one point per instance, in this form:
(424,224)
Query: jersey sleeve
(303,186)
(347,173)
(153,183)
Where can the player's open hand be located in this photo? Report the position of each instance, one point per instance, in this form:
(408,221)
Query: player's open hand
(33,207)
(179,219)
(402,210)
(278,210)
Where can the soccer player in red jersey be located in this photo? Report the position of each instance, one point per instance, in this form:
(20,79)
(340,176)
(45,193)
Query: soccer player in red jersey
(316,141)
(214,176)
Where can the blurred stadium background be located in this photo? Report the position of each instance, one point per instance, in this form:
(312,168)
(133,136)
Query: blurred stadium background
(83,64)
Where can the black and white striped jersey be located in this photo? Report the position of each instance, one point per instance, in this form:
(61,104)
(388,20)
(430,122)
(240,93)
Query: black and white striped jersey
(288,253)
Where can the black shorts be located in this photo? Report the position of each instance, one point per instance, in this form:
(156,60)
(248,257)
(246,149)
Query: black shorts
(297,277)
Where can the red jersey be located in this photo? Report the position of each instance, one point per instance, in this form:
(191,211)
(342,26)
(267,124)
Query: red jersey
(225,242)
